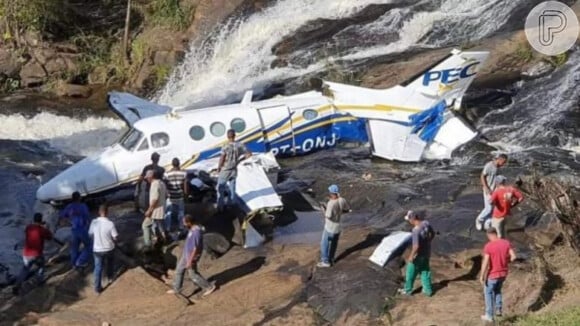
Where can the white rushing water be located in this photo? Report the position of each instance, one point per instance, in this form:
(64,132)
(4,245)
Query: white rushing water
(239,55)
(69,135)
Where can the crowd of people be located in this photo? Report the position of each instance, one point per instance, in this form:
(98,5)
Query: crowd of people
(499,198)
(165,216)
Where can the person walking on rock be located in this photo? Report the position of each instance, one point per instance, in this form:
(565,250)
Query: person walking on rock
(77,215)
(497,254)
(418,260)
(155,214)
(503,198)
(190,257)
(104,235)
(35,235)
(333,211)
(228,169)
(488,183)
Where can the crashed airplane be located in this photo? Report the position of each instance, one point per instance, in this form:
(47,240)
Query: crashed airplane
(408,123)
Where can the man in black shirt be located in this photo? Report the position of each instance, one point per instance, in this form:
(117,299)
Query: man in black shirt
(153,166)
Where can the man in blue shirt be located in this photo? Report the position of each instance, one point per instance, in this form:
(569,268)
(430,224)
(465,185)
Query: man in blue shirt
(77,215)
(192,251)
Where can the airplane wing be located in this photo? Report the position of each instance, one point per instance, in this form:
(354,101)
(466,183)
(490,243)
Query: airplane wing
(131,108)
(254,183)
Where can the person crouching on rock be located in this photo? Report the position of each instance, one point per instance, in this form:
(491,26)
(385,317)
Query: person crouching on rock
(190,257)
(77,214)
(333,211)
(497,254)
(418,260)
(502,199)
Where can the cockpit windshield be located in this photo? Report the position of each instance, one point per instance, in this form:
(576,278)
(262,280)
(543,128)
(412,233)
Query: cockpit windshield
(131,139)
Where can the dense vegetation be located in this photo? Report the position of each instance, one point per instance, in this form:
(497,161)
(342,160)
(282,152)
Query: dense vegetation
(96,29)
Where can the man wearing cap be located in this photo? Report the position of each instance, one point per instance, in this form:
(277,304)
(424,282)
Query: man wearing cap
(503,198)
(35,235)
(228,169)
(153,166)
(335,207)
(155,214)
(418,260)
(488,183)
(497,254)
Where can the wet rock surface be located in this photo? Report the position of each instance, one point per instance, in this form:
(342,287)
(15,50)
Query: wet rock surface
(352,287)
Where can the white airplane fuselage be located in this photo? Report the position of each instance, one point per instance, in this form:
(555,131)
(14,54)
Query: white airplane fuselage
(285,126)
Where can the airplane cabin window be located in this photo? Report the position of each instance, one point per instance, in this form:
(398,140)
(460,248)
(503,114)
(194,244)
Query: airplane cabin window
(144,145)
(217,129)
(159,140)
(131,139)
(238,124)
(310,114)
(196,132)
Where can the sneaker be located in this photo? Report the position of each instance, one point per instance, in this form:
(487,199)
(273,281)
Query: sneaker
(323,264)
(210,290)
(487,318)
(403,292)
(498,313)
(478,225)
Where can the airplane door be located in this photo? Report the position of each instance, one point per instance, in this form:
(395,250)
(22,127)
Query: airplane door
(277,128)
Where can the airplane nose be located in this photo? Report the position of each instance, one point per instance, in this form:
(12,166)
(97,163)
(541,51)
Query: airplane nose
(87,176)
(54,189)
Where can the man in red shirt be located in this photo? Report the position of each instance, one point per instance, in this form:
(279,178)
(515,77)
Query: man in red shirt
(32,254)
(502,199)
(497,254)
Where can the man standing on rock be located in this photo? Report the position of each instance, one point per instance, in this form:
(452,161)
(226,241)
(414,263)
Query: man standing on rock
(177,188)
(497,254)
(488,182)
(77,214)
(156,212)
(228,169)
(503,198)
(104,236)
(335,207)
(153,166)
(190,257)
(418,260)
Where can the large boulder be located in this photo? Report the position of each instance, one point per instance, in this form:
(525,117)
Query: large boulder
(32,74)
(9,63)
(71,90)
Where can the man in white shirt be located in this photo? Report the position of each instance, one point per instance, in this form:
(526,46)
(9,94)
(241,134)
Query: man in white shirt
(335,207)
(104,235)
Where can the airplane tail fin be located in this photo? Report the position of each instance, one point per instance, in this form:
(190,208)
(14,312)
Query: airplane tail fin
(449,78)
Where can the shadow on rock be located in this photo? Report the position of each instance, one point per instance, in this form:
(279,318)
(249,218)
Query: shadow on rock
(240,271)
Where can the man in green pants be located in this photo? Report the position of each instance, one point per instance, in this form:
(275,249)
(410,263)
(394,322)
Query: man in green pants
(418,260)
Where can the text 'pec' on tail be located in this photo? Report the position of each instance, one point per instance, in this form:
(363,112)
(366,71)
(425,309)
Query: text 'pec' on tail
(449,78)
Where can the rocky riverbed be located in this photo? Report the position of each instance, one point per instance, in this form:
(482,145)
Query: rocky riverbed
(522,103)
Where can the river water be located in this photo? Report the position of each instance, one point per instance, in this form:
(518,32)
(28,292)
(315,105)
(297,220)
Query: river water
(538,128)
